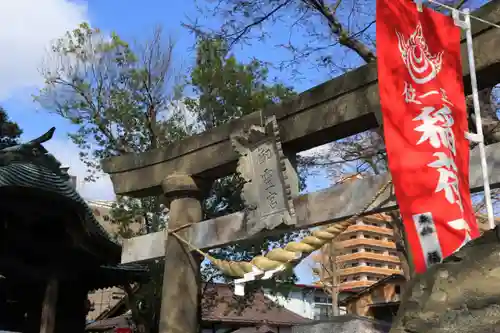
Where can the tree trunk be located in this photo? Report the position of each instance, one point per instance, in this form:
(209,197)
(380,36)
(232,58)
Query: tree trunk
(48,320)
(401,244)
(489,118)
(334,290)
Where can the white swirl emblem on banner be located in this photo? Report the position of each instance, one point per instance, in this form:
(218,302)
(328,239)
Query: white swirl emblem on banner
(421,64)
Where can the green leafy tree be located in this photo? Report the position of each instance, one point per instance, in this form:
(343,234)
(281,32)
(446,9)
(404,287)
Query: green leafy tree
(120,99)
(9,130)
(226,89)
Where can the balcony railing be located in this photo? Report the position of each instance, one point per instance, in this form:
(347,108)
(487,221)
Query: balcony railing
(368,256)
(369,228)
(367,241)
(368,270)
(355,284)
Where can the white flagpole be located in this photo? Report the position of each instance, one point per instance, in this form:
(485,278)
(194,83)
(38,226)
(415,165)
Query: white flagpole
(419,5)
(479,137)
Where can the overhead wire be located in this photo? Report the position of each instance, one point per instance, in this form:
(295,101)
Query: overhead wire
(464,13)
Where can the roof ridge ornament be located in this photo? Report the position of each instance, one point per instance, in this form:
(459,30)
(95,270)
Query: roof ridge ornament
(35,153)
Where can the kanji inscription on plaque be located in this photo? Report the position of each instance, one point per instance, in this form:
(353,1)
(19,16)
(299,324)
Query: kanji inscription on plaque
(266,193)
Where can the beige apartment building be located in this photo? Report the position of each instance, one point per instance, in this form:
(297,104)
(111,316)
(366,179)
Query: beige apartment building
(364,254)
(367,253)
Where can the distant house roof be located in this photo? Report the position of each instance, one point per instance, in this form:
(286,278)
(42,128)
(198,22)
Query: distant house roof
(390,278)
(220,305)
(257,329)
(346,323)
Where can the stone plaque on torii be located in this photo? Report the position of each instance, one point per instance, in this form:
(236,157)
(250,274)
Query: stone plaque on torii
(267,194)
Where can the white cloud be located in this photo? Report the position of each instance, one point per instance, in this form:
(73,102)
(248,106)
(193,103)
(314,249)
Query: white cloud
(27,27)
(67,153)
(319,151)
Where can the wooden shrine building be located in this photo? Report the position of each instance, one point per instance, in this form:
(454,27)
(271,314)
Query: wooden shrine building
(52,250)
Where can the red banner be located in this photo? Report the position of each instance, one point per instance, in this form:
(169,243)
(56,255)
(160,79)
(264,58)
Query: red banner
(424,113)
(123,330)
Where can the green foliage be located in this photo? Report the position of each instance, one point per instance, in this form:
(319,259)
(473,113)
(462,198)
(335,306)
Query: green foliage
(117,97)
(121,100)
(148,297)
(146,212)
(226,89)
(9,130)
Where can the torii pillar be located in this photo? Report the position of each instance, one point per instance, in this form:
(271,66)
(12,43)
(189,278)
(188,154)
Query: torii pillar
(181,293)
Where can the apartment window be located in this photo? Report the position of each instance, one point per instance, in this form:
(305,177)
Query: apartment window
(354,264)
(392,266)
(322,311)
(352,237)
(377,237)
(357,278)
(368,236)
(354,250)
(397,290)
(378,265)
(323,299)
(343,280)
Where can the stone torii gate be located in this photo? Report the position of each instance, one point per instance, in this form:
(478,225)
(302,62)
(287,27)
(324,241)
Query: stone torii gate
(333,110)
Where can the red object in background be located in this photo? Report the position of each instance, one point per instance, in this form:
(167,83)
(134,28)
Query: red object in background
(123,330)
(424,112)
